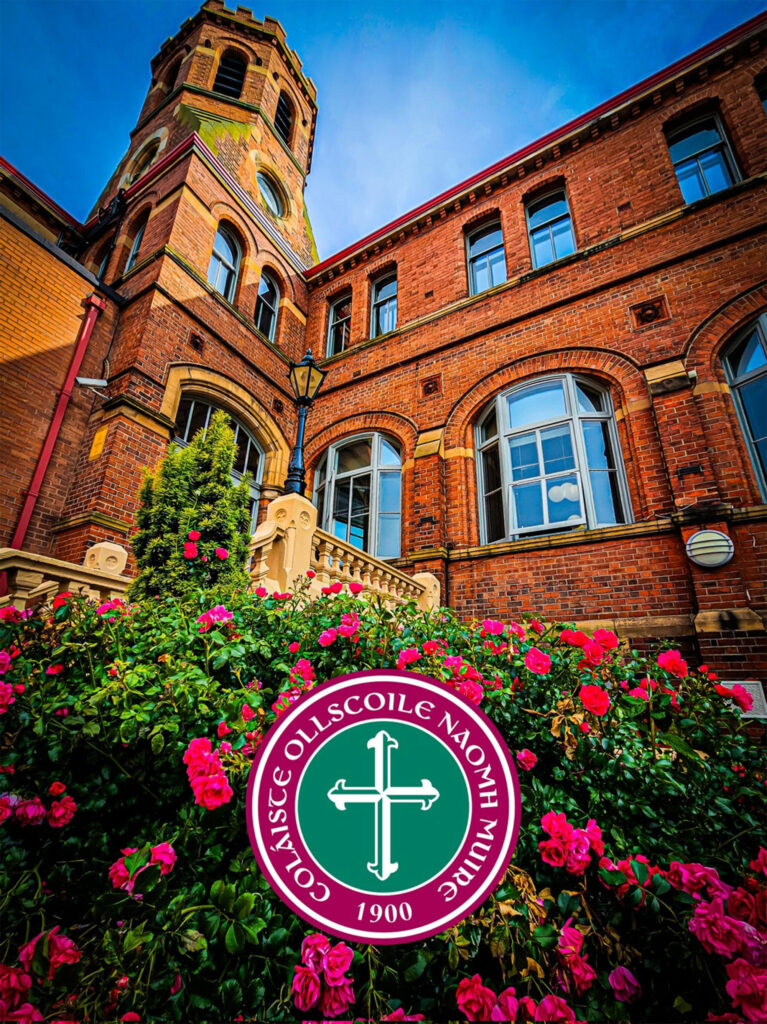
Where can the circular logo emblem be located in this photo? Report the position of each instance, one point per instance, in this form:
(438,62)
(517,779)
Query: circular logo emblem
(383,807)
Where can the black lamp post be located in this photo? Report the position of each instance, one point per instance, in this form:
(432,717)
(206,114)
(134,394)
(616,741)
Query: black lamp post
(306,380)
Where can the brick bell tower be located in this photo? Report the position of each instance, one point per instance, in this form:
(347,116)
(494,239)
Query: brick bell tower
(203,234)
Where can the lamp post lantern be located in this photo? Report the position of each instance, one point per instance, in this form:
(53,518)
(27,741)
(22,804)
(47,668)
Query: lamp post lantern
(306,380)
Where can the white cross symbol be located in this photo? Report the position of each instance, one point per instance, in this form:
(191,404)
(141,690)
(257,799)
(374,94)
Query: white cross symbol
(383,795)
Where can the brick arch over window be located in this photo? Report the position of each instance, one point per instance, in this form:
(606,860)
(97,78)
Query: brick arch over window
(645,476)
(401,428)
(731,463)
(190,379)
(224,212)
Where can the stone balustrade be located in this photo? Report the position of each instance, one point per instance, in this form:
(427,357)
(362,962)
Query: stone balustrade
(33,579)
(288,543)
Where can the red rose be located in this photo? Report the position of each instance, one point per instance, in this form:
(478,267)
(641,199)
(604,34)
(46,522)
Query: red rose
(30,812)
(537,662)
(305,988)
(595,699)
(526,759)
(61,812)
(474,1000)
(742,905)
(194,535)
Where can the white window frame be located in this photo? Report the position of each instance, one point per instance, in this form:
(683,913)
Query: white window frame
(573,417)
(269,188)
(534,201)
(182,440)
(736,383)
(471,261)
(376,303)
(375,469)
(234,269)
(275,309)
(334,322)
(136,244)
(724,145)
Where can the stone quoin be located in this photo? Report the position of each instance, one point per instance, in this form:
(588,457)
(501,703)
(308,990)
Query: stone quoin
(539,384)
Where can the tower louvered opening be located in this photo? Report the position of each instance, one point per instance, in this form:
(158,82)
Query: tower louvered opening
(230,76)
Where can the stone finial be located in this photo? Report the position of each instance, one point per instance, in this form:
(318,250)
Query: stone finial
(106,557)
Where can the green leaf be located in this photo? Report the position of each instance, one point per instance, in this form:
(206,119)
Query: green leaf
(413,965)
(681,1005)
(640,870)
(612,877)
(681,746)
(235,938)
(252,929)
(660,885)
(134,861)
(545,935)
(243,905)
(158,742)
(135,938)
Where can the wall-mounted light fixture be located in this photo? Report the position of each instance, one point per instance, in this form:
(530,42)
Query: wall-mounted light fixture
(709,549)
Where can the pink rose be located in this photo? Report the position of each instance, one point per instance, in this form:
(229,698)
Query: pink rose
(14,985)
(314,951)
(554,1010)
(24,1014)
(721,934)
(335,999)
(583,973)
(337,963)
(606,638)
(578,852)
(537,662)
(61,950)
(295,647)
(56,788)
(164,855)
(491,627)
(474,1000)
(526,759)
(6,697)
(194,535)
(305,988)
(742,906)
(747,988)
(261,591)
(624,985)
(61,812)
(407,656)
(326,638)
(595,699)
(247,712)
(355,588)
(673,663)
(30,812)
(190,551)
(508,1006)
(570,940)
(593,653)
(760,861)
(594,832)
(399,1014)
(222,729)
(221,553)
(211,791)
(54,670)
(175,985)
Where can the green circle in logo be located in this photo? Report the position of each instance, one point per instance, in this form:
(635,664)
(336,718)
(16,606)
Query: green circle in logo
(387,843)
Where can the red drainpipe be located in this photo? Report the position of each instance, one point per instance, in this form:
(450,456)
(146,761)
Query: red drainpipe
(95,305)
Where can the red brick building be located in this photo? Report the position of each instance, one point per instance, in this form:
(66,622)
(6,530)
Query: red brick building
(541,383)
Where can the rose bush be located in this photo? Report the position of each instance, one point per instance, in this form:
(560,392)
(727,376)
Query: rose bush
(128,889)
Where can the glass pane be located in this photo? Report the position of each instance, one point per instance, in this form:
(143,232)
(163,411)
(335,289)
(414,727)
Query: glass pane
(386,288)
(536,403)
(267,290)
(528,505)
(342,309)
(386,317)
(389,492)
(360,496)
(524,457)
(589,399)
(547,209)
(489,426)
(497,267)
(564,243)
(557,448)
(269,194)
(543,252)
(341,508)
(224,246)
(754,398)
(264,318)
(495,526)
(690,181)
(352,456)
(693,139)
(254,459)
(198,419)
(388,536)
(715,171)
(747,356)
(491,469)
(761,451)
(483,241)
(480,274)
(241,452)
(564,500)
(320,474)
(182,417)
(338,337)
(597,439)
(388,455)
(607,500)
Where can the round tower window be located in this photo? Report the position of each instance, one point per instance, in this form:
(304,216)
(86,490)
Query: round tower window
(269,194)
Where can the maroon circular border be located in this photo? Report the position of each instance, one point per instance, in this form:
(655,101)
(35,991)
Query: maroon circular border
(513,800)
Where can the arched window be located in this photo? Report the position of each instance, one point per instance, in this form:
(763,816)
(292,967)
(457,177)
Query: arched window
(270,194)
(194,415)
(339,324)
(102,259)
(138,236)
(224,263)
(266,305)
(549,460)
(383,313)
(230,75)
(357,493)
(172,74)
(145,160)
(487,263)
(746,366)
(283,118)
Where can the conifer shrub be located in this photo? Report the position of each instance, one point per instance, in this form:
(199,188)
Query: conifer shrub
(128,889)
(193,523)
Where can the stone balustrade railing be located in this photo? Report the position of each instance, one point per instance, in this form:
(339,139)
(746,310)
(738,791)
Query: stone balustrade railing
(288,543)
(31,578)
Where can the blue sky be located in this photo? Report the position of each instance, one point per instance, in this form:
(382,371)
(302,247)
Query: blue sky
(413,96)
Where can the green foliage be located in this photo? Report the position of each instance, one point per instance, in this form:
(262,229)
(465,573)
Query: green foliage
(139,683)
(192,491)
